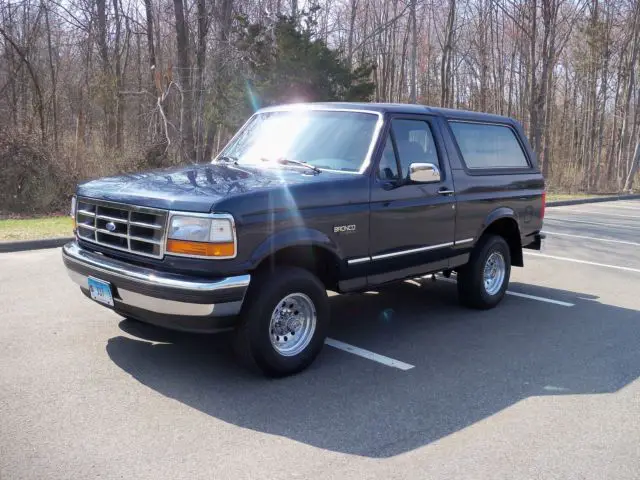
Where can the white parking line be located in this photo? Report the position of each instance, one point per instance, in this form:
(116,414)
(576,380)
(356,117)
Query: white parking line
(522,295)
(592,212)
(592,223)
(575,260)
(540,299)
(591,238)
(635,206)
(361,352)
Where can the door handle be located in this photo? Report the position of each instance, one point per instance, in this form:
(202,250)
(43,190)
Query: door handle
(445,191)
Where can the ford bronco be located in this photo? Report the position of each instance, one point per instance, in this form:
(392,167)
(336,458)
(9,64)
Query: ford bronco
(303,199)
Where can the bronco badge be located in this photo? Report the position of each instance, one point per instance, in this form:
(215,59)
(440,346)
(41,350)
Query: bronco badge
(344,229)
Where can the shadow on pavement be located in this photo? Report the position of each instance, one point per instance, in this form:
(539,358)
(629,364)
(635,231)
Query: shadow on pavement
(469,365)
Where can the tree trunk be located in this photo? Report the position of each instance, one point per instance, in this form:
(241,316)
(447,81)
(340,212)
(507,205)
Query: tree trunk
(201,50)
(107,77)
(184,75)
(445,65)
(52,69)
(352,25)
(414,52)
(635,165)
(629,90)
(117,98)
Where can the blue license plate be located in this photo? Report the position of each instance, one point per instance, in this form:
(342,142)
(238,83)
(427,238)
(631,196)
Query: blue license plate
(100,291)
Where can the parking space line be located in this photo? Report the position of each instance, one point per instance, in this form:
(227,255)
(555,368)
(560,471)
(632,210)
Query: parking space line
(586,262)
(610,240)
(633,227)
(617,205)
(591,212)
(361,352)
(522,295)
(540,299)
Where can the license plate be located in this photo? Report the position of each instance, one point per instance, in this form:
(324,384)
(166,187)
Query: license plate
(100,291)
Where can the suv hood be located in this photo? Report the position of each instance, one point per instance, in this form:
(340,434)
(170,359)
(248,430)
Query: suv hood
(195,188)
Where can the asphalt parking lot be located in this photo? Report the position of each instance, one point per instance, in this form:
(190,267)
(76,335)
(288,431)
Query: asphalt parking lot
(411,386)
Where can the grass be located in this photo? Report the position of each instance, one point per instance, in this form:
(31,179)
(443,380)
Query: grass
(35,228)
(61,226)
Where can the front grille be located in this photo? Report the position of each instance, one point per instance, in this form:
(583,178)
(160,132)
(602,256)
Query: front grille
(129,228)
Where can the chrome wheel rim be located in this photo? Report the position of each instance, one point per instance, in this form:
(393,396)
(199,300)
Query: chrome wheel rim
(494,273)
(292,324)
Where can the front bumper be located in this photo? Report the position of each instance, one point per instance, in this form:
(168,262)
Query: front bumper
(179,302)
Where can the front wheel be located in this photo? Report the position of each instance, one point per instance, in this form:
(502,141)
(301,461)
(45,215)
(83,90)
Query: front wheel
(483,281)
(284,321)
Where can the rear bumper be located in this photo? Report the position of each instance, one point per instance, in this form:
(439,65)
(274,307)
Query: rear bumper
(174,301)
(534,242)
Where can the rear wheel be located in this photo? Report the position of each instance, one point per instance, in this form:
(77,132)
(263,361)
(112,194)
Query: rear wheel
(483,281)
(284,321)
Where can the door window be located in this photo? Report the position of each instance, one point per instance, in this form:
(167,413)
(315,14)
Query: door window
(414,143)
(388,167)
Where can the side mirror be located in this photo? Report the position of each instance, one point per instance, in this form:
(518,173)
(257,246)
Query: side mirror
(424,173)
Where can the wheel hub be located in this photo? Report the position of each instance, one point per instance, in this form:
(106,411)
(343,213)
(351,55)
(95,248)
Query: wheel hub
(494,273)
(292,325)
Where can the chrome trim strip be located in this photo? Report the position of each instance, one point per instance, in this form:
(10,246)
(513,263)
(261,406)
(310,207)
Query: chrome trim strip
(113,234)
(354,261)
(122,206)
(466,240)
(74,253)
(413,250)
(144,240)
(113,219)
(161,305)
(152,226)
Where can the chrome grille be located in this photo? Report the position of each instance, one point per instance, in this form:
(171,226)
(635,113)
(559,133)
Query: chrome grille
(129,228)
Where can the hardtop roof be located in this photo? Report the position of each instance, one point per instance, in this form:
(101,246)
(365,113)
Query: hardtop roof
(449,113)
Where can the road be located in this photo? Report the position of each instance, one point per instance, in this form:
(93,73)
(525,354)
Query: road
(544,386)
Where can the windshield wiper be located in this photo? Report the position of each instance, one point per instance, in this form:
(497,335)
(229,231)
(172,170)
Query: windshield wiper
(288,161)
(227,159)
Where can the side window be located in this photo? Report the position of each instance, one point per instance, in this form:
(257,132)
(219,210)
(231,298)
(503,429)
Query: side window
(414,142)
(388,167)
(486,146)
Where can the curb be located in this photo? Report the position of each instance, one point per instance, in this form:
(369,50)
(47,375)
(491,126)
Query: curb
(612,198)
(6,247)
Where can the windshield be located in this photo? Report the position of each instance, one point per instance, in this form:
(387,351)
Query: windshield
(333,140)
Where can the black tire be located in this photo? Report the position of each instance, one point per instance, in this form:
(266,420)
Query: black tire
(471,287)
(253,337)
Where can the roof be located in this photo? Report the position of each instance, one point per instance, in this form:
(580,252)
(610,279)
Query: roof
(399,108)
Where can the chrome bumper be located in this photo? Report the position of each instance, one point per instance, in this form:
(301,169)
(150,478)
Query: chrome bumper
(143,292)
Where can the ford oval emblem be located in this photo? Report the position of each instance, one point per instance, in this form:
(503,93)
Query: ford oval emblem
(111,226)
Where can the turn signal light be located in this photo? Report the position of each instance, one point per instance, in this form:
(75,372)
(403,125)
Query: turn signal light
(201,249)
(544,204)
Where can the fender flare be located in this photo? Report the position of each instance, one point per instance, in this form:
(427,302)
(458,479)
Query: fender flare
(294,237)
(498,214)
(506,213)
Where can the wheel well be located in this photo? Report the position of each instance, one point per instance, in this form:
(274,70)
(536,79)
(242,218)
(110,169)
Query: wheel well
(508,229)
(319,261)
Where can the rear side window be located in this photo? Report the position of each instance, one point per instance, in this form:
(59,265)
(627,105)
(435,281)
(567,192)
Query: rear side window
(485,146)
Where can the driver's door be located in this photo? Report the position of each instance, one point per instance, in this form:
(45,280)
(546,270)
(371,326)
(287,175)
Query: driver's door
(412,224)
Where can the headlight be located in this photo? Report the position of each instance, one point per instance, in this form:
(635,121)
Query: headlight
(201,236)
